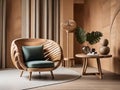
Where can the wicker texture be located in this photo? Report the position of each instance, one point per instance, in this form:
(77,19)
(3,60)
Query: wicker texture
(52,51)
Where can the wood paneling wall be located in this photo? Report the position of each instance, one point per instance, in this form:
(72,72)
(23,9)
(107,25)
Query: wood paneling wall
(66,13)
(104,16)
(13,25)
(2,32)
(79,18)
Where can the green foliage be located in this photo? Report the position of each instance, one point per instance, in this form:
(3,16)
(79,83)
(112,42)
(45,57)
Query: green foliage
(80,35)
(92,37)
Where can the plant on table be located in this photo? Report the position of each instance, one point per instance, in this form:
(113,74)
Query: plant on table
(90,37)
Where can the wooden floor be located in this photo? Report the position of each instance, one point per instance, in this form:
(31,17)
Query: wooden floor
(110,81)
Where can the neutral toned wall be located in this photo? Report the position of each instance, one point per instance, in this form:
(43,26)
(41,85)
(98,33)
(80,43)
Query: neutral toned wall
(78,1)
(79,18)
(13,26)
(99,15)
(66,13)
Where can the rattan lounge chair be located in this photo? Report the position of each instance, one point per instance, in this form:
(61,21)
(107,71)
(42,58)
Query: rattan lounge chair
(51,50)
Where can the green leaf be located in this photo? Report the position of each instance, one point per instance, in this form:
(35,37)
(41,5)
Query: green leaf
(93,37)
(80,35)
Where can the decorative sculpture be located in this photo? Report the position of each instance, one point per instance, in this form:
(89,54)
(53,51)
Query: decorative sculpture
(104,49)
(69,26)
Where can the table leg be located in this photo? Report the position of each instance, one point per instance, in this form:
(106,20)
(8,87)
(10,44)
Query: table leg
(99,68)
(84,66)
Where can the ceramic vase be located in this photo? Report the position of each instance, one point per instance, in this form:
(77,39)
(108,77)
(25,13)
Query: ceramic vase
(104,49)
(85,49)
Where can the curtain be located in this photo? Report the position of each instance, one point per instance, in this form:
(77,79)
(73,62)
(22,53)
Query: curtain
(40,19)
(2,32)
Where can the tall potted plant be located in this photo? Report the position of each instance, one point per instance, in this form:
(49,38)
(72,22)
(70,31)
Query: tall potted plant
(90,37)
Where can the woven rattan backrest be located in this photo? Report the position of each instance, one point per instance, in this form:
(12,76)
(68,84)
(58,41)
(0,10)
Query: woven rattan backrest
(52,50)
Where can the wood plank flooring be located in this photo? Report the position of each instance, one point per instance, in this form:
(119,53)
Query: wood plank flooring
(110,81)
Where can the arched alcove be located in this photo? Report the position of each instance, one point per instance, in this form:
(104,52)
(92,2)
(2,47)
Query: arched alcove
(115,41)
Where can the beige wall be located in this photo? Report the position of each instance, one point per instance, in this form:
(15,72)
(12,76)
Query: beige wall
(78,1)
(79,18)
(99,15)
(66,11)
(13,25)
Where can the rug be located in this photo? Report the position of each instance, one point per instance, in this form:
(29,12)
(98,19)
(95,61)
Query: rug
(10,80)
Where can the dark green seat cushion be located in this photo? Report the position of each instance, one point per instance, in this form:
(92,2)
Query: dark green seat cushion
(33,53)
(40,64)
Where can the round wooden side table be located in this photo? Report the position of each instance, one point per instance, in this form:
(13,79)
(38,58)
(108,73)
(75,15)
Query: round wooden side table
(85,58)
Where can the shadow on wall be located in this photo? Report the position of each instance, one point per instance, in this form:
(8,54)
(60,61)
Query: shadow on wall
(116,61)
(115,41)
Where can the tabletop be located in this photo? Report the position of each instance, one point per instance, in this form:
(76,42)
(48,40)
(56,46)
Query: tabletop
(92,56)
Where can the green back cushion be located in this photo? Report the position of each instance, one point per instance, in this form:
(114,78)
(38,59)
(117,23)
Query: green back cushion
(33,53)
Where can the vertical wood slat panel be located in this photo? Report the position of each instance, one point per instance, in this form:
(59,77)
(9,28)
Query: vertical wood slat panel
(43,17)
(50,19)
(33,19)
(4,39)
(56,21)
(37,19)
(1,33)
(25,18)
(53,20)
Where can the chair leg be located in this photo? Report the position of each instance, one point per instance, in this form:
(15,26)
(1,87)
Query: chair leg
(21,73)
(52,74)
(39,73)
(30,75)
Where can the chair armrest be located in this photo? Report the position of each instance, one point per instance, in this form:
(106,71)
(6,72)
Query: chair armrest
(18,58)
(57,63)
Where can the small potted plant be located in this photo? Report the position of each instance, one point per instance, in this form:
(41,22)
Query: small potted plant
(90,37)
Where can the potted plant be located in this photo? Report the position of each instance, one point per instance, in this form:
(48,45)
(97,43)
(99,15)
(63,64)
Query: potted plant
(90,37)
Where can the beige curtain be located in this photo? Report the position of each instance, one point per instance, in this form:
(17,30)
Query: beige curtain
(41,19)
(2,32)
